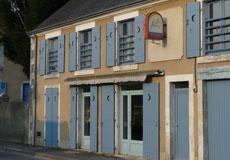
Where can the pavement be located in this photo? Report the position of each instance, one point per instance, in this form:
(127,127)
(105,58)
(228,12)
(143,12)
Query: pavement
(51,153)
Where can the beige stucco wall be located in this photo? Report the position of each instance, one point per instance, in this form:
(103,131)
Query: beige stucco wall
(12,74)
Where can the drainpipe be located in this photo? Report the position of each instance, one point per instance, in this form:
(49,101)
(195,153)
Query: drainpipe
(34,91)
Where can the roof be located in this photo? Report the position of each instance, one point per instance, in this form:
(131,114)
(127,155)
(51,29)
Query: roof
(78,10)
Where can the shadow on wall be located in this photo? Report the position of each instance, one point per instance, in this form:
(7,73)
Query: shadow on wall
(14,121)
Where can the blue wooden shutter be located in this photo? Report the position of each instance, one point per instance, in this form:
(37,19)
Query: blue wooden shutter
(48,117)
(151,121)
(61,53)
(73,118)
(96,47)
(55,117)
(139,40)
(42,60)
(193,30)
(93,118)
(110,44)
(72,51)
(107,120)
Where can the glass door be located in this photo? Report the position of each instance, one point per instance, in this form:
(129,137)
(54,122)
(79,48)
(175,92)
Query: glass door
(86,121)
(131,120)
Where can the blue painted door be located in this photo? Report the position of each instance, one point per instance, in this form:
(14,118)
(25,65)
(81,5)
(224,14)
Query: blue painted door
(181,122)
(51,117)
(107,120)
(218,108)
(26,92)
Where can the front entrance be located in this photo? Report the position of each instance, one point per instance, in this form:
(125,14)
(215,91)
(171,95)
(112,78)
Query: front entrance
(131,122)
(85,120)
(51,117)
(180,121)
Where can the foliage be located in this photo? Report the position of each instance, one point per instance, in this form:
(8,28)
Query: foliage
(17,17)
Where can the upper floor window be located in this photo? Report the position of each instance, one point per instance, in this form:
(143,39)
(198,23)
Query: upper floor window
(126,42)
(217,27)
(85,40)
(52,55)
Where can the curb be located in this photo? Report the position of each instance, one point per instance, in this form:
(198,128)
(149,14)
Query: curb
(34,154)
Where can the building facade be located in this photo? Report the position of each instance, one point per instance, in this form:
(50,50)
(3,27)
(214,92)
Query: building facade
(99,85)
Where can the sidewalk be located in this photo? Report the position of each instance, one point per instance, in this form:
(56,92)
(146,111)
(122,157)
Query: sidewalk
(52,153)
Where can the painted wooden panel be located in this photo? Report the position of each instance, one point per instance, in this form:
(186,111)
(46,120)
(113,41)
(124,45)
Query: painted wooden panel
(151,121)
(182,124)
(214,73)
(73,118)
(218,110)
(48,117)
(110,44)
(139,40)
(61,53)
(93,118)
(42,57)
(96,47)
(107,120)
(193,30)
(55,117)
(72,51)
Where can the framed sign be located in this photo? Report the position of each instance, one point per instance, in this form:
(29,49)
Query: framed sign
(154,26)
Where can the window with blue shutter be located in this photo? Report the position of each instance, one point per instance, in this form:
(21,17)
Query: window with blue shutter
(217,27)
(126,42)
(85,49)
(3,87)
(52,55)
(42,57)
(96,47)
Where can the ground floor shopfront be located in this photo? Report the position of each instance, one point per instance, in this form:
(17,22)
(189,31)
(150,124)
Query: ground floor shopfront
(159,119)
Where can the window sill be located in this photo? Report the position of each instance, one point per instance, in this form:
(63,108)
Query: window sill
(52,76)
(213,58)
(125,67)
(84,72)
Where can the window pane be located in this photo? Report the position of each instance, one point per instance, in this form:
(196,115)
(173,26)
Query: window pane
(86,37)
(137,117)
(87,116)
(131,27)
(125,117)
(125,29)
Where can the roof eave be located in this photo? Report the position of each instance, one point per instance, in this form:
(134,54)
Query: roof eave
(85,17)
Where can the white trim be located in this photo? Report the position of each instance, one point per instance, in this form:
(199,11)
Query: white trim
(116,119)
(122,17)
(85,26)
(24,82)
(216,58)
(84,72)
(51,76)
(59,102)
(125,67)
(168,80)
(52,34)
(200,121)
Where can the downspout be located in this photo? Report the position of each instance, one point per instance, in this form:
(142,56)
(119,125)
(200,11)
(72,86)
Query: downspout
(35,91)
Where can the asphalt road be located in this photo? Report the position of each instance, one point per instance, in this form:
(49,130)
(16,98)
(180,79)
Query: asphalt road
(13,156)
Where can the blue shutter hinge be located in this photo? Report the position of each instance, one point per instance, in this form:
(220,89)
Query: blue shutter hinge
(57,141)
(44,139)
